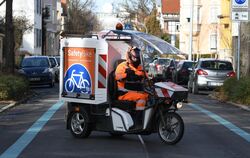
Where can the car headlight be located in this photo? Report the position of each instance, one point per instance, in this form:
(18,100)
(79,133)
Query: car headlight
(21,71)
(46,70)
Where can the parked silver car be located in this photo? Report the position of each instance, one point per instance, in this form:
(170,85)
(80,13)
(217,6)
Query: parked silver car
(55,66)
(209,74)
(162,67)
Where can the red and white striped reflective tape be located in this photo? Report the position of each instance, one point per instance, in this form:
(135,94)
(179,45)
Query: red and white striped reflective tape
(161,92)
(102,71)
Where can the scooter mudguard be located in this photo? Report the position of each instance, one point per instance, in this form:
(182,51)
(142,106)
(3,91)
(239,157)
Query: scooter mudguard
(121,120)
(171,90)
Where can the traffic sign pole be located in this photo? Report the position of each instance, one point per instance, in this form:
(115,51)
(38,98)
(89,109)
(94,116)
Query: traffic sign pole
(238,52)
(240,13)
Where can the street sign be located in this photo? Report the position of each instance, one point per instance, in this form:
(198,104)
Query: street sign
(239,3)
(240,16)
(240,10)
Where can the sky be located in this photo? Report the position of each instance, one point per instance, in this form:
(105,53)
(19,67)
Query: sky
(106,5)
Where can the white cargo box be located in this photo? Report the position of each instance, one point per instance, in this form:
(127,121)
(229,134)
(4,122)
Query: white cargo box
(83,72)
(85,66)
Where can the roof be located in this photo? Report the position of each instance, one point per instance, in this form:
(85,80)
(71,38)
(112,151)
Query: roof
(170,6)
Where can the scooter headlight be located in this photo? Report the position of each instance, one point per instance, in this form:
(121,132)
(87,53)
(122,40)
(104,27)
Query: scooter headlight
(179,105)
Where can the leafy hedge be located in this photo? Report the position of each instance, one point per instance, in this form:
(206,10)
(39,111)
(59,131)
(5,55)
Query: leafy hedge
(236,90)
(13,87)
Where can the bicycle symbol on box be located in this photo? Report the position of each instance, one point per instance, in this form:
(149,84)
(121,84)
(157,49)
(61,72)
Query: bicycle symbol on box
(77,81)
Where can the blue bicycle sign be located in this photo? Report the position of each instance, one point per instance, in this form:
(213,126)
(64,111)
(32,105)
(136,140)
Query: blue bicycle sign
(240,1)
(77,80)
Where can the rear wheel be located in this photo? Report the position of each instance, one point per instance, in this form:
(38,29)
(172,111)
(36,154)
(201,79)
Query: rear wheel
(79,124)
(172,129)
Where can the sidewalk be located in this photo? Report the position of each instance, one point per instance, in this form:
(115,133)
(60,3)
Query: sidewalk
(4,105)
(245,107)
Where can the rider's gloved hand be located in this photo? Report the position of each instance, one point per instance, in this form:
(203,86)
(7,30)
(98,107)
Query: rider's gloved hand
(131,76)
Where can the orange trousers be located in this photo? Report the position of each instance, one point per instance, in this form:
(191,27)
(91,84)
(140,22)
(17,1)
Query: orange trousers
(139,97)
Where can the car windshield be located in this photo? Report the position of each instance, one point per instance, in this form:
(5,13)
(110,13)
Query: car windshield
(164,61)
(58,60)
(52,60)
(216,65)
(187,65)
(35,62)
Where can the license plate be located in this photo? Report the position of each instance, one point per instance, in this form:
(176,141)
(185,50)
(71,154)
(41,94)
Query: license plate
(215,83)
(34,79)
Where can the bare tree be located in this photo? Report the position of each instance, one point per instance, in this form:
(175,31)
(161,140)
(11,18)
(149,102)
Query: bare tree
(9,44)
(137,10)
(21,26)
(80,19)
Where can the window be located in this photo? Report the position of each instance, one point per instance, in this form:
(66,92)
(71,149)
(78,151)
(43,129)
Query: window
(213,42)
(38,7)
(213,14)
(38,38)
(50,11)
(172,27)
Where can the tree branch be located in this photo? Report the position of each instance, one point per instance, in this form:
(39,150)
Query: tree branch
(2,2)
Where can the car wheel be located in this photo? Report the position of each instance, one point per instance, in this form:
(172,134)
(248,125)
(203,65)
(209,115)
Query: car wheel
(52,84)
(79,124)
(195,88)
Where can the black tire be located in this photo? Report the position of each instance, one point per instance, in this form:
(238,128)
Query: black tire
(79,124)
(173,132)
(52,84)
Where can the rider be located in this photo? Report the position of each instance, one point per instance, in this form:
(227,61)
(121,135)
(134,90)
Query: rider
(129,75)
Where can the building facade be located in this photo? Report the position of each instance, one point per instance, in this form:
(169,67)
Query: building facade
(32,10)
(52,27)
(170,18)
(211,33)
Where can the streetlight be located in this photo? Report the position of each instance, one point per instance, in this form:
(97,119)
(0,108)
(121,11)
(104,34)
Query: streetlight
(191,31)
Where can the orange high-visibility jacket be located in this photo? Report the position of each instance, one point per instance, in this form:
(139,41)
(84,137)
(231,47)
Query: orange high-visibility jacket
(120,75)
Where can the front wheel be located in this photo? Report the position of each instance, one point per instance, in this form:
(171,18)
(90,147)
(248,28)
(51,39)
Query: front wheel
(171,128)
(79,124)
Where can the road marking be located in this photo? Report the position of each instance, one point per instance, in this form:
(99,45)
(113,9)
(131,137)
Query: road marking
(224,122)
(15,149)
(144,146)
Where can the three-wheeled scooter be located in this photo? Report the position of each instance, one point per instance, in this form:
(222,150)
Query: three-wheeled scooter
(88,86)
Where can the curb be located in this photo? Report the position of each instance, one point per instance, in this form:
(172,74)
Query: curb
(8,106)
(240,106)
(244,107)
(15,103)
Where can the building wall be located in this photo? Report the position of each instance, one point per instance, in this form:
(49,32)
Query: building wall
(29,10)
(53,26)
(209,35)
(225,31)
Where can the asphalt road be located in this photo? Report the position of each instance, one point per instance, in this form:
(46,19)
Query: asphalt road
(212,129)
